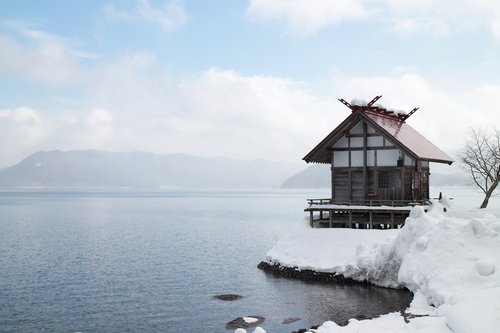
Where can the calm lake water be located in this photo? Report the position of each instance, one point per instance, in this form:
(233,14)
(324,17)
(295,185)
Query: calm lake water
(152,262)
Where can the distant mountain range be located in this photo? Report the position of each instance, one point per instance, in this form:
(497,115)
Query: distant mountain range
(96,169)
(314,176)
(102,169)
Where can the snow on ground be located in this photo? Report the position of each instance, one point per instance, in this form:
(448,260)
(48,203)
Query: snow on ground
(325,250)
(450,260)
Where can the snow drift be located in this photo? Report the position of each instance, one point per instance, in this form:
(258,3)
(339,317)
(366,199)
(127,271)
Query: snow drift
(449,258)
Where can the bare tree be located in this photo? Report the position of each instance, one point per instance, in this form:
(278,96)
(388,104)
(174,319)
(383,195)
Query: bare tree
(481,156)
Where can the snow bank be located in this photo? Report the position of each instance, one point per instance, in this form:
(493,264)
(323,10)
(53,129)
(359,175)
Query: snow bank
(325,250)
(450,260)
(390,323)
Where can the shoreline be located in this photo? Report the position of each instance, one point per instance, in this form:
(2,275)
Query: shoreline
(305,274)
(310,275)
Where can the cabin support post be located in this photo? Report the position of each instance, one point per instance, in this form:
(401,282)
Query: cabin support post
(403,182)
(330,218)
(332,178)
(365,157)
(311,218)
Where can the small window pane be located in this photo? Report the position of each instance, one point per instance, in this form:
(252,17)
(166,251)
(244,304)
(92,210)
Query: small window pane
(342,143)
(357,129)
(375,141)
(340,158)
(356,142)
(356,158)
(387,157)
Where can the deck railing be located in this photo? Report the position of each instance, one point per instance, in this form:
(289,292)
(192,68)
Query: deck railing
(391,203)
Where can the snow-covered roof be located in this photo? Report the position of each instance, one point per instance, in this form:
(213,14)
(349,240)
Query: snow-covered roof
(391,125)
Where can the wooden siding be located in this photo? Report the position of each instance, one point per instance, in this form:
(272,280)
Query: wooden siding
(341,185)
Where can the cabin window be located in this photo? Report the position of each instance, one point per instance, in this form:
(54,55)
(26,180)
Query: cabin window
(387,143)
(387,157)
(342,143)
(370,158)
(340,158)
(356,158)
(408,161)
(375,141)
(357,142)
(357,129)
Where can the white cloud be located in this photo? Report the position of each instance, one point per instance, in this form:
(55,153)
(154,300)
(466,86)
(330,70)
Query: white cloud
(21,131)
(219,112)
(429,17)
(42,57)
(483,103)
(112,13)
(169,16)
(99,117)
(306,16)
(97,130)
(131,103)
(254,116)
(495,25)
(437,17)
(222,112)
(427,25)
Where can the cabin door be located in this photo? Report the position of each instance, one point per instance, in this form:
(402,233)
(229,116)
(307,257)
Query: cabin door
(390,184)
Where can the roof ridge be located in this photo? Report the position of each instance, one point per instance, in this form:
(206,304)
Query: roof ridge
(362,106)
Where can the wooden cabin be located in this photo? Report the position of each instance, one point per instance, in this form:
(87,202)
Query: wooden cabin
(376,159)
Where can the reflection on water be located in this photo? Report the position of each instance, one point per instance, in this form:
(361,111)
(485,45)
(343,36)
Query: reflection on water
(338,302)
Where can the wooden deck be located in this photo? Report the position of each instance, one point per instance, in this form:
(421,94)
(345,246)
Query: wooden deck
(366,215)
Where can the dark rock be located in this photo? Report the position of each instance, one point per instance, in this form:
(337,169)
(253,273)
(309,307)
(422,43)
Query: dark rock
(290,320)
(305,330)
(358,317)
(228,297)
(302,330)
(241,323)
(305,274)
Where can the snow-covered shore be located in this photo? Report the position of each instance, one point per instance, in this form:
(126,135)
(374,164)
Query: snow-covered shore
(449,260)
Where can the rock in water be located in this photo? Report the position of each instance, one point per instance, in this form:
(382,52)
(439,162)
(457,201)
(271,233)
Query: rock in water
(228,297)
(245,322)
(290,320)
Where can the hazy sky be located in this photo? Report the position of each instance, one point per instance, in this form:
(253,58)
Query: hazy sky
(244,79)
